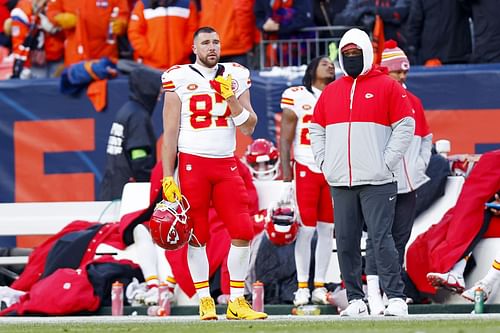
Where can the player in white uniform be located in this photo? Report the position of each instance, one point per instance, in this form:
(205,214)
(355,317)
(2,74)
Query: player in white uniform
(204,103)
(312,191)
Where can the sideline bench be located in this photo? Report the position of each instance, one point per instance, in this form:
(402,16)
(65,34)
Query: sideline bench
(49,217)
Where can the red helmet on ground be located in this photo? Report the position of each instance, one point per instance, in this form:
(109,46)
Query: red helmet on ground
(282,227)
(169,225)
(262,157)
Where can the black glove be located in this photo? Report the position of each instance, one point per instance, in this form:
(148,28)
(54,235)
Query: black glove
(17,68)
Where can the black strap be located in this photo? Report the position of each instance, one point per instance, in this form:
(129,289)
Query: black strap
(220,70)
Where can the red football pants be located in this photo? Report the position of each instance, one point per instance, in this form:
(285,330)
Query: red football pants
(216,182)
(313,196)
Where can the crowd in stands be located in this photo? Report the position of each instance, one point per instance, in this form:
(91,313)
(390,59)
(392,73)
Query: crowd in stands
(44,36)
(384,269)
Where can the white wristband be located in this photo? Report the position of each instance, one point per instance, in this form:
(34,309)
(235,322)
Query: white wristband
(241,118)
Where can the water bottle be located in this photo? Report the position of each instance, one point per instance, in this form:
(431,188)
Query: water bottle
(111,36)
(164,299)
(478,301)
(117,299)
(306,310)
(258,296)
(156,311)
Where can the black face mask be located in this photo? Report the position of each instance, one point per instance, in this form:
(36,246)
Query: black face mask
(353,65)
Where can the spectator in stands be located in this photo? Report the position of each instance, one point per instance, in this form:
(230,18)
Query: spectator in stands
(282,19)
(235,22)
(437,258)
(439,32)
(157,31)
(325,11)
(411,175)
(90,27)
(363,13)
(489,281)
(359,153)
(311,189)
(486,30)
(131,150)
(37,44)
(6,22)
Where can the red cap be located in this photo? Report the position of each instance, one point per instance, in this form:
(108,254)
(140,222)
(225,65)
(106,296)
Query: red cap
(349,47)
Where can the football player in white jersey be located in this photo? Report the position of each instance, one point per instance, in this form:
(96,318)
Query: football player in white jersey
(204,104)
(312,191)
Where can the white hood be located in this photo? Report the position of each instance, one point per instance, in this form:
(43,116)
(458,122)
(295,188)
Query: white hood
(361,39)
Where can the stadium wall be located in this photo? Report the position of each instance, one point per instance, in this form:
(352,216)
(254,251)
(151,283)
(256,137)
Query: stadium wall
(53,145)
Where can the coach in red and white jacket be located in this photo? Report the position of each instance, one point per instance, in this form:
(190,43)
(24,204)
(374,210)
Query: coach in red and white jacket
(362,126)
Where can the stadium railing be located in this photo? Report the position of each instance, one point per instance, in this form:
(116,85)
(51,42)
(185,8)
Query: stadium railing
(314,41)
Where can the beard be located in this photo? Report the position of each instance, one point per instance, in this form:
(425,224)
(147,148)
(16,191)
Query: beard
(330,79)
(209,62)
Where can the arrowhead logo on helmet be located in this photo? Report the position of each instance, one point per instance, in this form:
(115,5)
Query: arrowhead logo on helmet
(169,225)
(262,158)
(282,227)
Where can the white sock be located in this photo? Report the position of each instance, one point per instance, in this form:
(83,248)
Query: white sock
(373,285)
(237,265)
(303,253)
(198,267)
(147,262)
(171,283)
(493,275)
(324,249)
(459,267)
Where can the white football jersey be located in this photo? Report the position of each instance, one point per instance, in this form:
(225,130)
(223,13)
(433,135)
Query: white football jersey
(302,102)
(206,127)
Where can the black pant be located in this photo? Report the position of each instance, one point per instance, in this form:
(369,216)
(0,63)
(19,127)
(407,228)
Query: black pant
(401,229)
(373,205)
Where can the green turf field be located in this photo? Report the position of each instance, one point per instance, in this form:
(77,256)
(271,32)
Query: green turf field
(414,326)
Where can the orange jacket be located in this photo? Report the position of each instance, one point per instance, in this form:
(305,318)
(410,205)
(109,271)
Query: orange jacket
(22,19)
(162,37)
(87,40)
(234,20)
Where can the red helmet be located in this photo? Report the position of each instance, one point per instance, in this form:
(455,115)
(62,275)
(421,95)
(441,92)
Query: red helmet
(282,227)
(262,158)
(169,226)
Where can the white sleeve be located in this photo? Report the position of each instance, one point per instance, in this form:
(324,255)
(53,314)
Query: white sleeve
(289,99)
(171,78)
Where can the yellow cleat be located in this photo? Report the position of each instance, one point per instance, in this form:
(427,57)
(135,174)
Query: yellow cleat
(240,309)
(207,309)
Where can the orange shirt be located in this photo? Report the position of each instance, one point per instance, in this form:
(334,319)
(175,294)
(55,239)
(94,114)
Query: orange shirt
(163,36)
(87,40)
(234,20)
(22,19)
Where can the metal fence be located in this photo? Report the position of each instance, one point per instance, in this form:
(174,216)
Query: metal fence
(314,41)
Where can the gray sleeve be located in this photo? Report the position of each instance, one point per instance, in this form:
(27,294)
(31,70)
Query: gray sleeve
(317,134)
(402,134)
(426,148)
